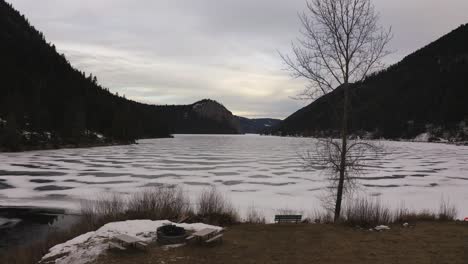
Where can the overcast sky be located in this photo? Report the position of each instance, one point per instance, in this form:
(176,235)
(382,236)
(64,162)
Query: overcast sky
(181,51)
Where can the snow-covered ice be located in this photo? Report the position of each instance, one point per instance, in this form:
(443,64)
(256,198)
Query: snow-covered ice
(254,171)
(87,247)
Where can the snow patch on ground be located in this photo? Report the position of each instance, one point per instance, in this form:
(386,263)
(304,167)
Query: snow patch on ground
(382,227)
(87,247)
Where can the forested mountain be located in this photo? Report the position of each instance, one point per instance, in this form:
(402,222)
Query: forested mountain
(257,125)
(203,117)
(45,102)
(426,92)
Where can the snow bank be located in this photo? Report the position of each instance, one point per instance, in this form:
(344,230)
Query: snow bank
(87,247)
(382,227)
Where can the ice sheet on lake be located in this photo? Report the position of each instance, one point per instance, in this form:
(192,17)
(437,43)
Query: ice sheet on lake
(257,171)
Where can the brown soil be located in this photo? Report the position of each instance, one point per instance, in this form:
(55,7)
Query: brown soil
(425,243)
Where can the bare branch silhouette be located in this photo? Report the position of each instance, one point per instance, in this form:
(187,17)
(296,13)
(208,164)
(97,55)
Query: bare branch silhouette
(341,43)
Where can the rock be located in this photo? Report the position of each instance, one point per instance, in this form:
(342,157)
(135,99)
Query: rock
(213,110)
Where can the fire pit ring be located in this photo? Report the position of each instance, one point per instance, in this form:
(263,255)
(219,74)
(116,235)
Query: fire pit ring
(171,234)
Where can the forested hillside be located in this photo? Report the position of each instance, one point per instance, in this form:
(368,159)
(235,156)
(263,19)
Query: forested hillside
(46,103)
(257,125)
(426,92)
(203,117)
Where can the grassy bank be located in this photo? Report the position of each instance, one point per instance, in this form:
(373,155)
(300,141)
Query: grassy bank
(211,207)
(427,242)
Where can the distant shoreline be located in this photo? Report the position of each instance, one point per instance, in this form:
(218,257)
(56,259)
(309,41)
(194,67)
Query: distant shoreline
(455,143)
(74,146)
(66,146)
(114,143)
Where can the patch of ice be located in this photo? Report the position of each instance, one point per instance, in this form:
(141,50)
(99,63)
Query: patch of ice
(87,247)
(409,168)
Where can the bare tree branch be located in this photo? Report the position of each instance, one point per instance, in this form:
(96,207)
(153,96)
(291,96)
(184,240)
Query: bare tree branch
(341,43)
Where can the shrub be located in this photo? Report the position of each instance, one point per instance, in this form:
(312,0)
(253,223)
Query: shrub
(159,203)
(214,208)
(321,217)
(447,211)
(104,210)
(254,216)
(366,213)
(404,215)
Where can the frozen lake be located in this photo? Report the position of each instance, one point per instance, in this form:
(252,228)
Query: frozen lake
(254,171)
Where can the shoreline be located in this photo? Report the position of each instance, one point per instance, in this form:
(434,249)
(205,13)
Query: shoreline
(111,144)
(25,225)
(446,142)
(43,239)
(77,146)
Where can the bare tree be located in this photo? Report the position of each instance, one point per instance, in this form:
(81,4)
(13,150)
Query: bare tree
(341,44)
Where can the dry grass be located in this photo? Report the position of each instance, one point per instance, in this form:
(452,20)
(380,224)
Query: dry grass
(447,211)
(404,215)
(428,242)
(366,213)
(212,208)
(215,208)
(166,203)
(321,217)
(105,209)
(254,216)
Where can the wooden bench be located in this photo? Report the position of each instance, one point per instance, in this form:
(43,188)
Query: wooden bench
(288,219)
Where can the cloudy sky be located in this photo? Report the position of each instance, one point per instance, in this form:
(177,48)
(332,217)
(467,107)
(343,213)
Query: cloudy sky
(181,51)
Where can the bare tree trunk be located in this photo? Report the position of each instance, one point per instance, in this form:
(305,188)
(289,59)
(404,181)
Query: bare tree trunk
(341,44)
(344,143)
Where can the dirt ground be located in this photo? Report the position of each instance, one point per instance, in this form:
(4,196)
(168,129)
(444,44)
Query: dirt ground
(432,243)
